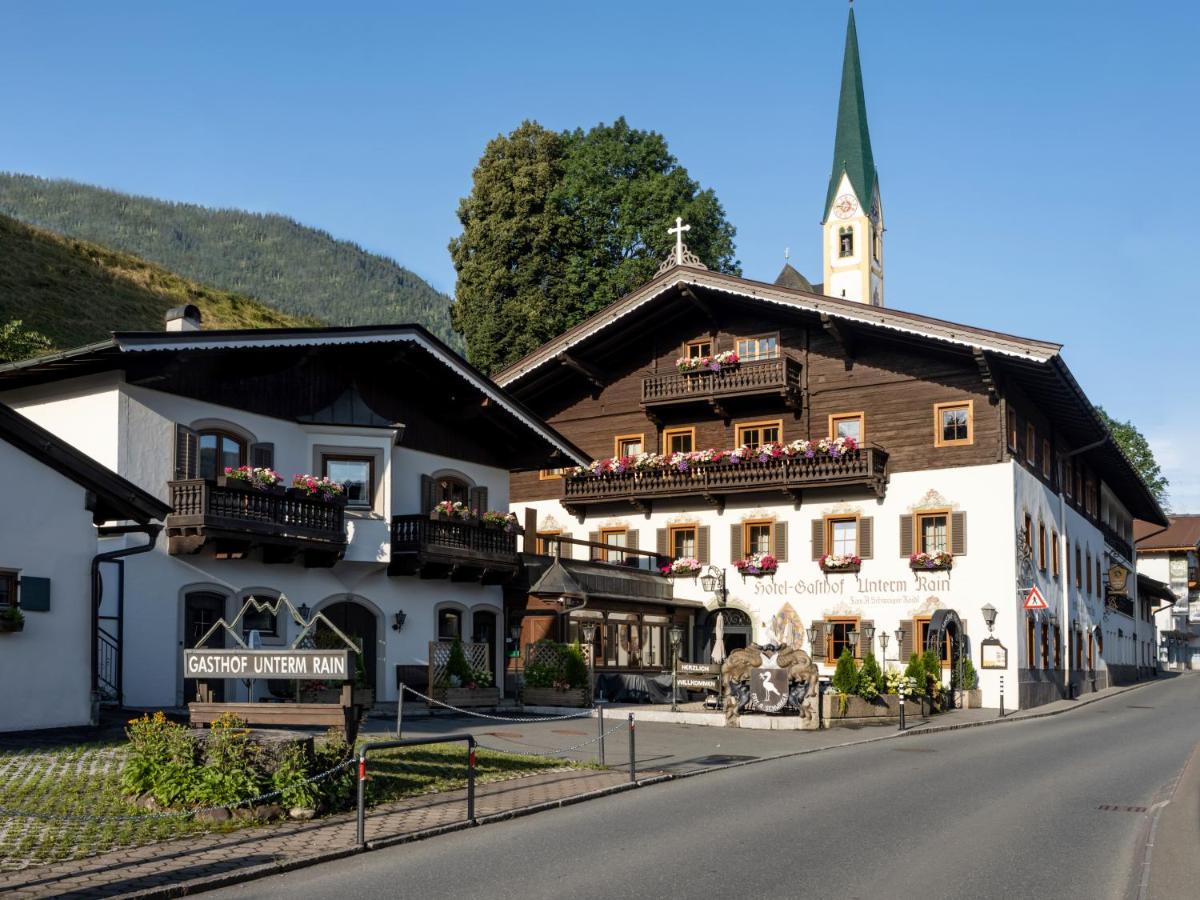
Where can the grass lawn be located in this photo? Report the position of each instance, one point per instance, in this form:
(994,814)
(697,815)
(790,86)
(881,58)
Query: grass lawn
(84,780)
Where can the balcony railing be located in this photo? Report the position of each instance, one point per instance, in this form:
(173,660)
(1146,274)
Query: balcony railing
(866,467)
(1117,542)
(462,551)
(236,519)
(769,376)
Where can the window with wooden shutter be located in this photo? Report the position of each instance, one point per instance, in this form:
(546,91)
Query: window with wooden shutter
(818,538)
(817,650)
(631,539)
(660,542)
(477,499)
(186,453)
(781,543)
(862,648)
(262,456)
(906,645)
(594,553)
(704,545)
(735,543)
(866,538)
(429,494)
(906,536)
(681,542)
(565,550)
(958,533)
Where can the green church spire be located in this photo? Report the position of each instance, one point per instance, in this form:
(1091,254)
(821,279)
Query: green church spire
(852,146)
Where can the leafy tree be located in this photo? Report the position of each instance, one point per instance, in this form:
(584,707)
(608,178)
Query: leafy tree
(18,342)
(1137,448)
(559,225)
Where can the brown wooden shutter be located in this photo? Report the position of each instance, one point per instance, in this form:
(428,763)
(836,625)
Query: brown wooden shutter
(593,552)
(262,456)
(631,539)
(429,494)
(906,536)
(735,543)
(704,545)
(566,551)
(818,538)
(530,530)
(910,637)
(958,533)
(779,532)
(818,647)
(186,453)
(477,499)
(662,543)
(866,537)
(862,649)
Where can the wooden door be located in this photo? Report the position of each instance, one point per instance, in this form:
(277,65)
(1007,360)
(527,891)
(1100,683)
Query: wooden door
(200,612)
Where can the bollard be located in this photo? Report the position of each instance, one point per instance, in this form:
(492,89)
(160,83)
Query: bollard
(632,751)
(471,781)
(600,731)
(400,712)
(901,711)
(362,799)
(1002,696)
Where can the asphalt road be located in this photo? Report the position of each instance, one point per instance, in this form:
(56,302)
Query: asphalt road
(1009,811)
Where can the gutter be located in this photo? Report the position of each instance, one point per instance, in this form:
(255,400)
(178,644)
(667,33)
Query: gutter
(151,531)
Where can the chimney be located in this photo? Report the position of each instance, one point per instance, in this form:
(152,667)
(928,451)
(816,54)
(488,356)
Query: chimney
(183,318)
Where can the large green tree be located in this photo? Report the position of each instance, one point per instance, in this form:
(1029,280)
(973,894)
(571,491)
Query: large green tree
(1137,448)
(559,225)
(18,342)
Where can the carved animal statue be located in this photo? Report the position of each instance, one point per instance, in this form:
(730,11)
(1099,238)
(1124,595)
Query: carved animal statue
(802,677)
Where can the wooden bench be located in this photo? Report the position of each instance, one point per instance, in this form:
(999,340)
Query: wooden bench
(344,716)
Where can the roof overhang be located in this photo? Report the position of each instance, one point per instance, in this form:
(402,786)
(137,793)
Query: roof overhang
(582,582)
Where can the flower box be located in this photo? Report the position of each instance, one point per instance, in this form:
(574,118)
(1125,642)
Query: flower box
(11,626)
(465,698)
(686,567)
(531,696)
(757,565)
(931,562)
(832,563)
(883,710)
(972,699)
(835,570)
(251,479)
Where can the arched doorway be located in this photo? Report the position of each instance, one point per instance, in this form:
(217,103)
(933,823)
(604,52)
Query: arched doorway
(946,629)
(359,624)
(738,630)
(483,631)
(202,610)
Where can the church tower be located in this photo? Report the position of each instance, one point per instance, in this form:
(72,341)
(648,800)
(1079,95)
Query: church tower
(852,228)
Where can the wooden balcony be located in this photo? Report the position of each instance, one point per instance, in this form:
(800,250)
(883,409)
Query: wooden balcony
(234,520)
(761,378)
(1117,542)
(863,468)
(460,551)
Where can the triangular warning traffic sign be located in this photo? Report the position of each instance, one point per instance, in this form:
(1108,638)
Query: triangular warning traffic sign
(1035,600)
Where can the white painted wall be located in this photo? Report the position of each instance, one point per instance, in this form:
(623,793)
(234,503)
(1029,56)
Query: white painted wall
(85,412)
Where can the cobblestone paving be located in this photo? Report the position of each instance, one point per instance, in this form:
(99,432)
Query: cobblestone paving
(178,862)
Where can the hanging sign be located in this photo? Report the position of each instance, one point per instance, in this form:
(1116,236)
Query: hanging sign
(695,683)
(993,654)
(692,668)
(1035,600)
(1118,579)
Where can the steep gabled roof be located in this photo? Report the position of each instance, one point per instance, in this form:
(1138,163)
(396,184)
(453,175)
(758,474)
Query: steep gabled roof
(852,144)
(113,498)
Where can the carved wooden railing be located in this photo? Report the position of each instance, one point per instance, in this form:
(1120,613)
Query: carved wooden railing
(780,375)
(866,466)
(202,503)
(1117,542)
(419,534)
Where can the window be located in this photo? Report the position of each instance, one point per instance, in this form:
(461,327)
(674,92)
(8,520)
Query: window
(1089,573)
(1031,444)
(1046,463)
(614,537)
(545,543)
(850,425)
(697,349)
(453,489)
(1027,534)
(628,444)
(755,434)
(8,589)
(1078,567)
(681,539)
(933,532)
(1091,497)
(449,625)
(261,620)
(357,473)
(1030,643)
(752,348)
(1054,566)
(219,450)
(757,536)
(876,243)
(1042,546)
(1099,585)
(1012,429)
(846,241)
(841,535)
(952,423)
(1057,647)
(679,440)
(549,474)
(1045,646)
(837,637)
(922,636)
(1069,484)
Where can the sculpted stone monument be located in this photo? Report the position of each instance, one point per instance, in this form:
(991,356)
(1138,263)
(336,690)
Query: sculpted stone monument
(770,679)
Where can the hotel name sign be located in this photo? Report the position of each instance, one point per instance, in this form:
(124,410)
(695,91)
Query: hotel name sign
(324,665)
(868,591)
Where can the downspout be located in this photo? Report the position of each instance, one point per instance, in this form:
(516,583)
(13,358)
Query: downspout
(151,530)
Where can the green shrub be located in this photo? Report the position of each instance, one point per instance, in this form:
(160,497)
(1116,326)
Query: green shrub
(870,679)
(337,791)
(457,666)
(845,679)
(970,677)
(161,760)
(231,772)
(575,669)
(916,671)
(291,779)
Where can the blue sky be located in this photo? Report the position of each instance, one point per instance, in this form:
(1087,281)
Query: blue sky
(1036,158)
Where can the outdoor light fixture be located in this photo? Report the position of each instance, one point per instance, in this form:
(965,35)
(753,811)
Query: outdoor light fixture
(303,610)
(1052,618)
(713,581)
(828,628)
(813,632)
(588,630)
(676,635)
(398,620)
(899,638)
(989,616)
(852,638)
(883,642)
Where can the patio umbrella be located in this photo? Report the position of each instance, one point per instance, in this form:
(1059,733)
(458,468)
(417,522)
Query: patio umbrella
(718,651)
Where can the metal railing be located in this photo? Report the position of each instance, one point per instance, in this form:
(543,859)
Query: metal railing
(762,376)
(867,466)
(1117,542)
(417,533)
(198,501)
(108,660)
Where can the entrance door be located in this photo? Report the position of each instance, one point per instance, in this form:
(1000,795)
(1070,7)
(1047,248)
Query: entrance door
(483,631)
(200,612)
(357,623)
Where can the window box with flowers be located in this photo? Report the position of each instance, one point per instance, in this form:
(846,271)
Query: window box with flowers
(702,365)
(798,452)
(931,562)
(687,566)
(251,479)
(840,562)
(452,511)
(757,565)
(321,488)
(11,620)
(499,521)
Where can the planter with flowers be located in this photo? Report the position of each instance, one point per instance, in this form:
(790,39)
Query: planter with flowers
(687,566)
(251,479)
(931,562)
(702,365)
(757,565)
(798,452)
(11,620)
(840,562)
(452,511)
(320,488)
(498,520)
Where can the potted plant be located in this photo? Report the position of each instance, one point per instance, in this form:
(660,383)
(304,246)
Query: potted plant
(840,562)
(931,562)
(559,678)
(451,510)
(686,565)
(251,478)
(757,565)
(11,620)
(697,365)
(968,695)
(463,686)
(497,520)
(321,488)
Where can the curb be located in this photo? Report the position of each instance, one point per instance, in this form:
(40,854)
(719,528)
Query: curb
(197,885)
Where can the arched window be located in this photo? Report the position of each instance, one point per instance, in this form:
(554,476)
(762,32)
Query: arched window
(449,624)
(219,450)
(452,489)
(846,241)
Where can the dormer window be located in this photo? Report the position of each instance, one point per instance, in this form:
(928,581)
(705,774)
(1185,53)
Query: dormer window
(846,241)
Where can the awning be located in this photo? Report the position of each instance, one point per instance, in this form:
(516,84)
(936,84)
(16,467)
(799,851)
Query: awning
(1148,587)
(588,581)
